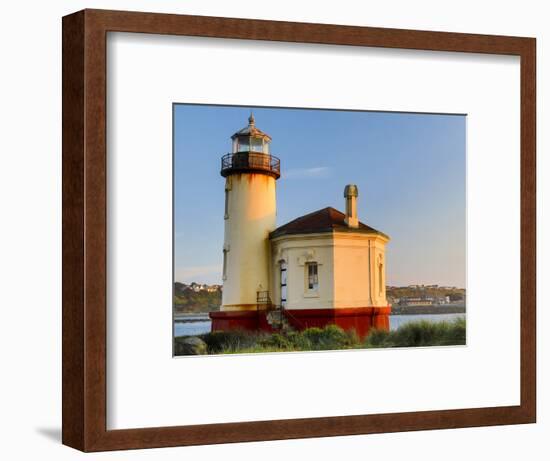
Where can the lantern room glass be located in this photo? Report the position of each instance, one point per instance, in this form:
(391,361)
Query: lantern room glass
(250,144)
(243,144)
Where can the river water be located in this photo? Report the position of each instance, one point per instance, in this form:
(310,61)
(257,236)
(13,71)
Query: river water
(198,324)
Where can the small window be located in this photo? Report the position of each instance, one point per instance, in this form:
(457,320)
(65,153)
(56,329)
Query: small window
(224,270)
(312,276)
(226,212)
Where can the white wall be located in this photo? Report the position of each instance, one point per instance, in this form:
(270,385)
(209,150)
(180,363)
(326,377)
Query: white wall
(251,217)
(356,271)
(30,243)
(297,251)
(343,260)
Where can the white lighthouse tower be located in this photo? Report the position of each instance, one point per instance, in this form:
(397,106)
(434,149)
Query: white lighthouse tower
(250,215)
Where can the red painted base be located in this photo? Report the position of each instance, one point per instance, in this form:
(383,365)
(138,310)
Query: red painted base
(360,319)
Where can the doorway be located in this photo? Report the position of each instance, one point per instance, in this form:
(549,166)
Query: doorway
(283,284)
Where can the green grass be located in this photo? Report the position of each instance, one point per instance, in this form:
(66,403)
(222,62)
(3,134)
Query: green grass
(311,339)
(231,342)
(332,337)
(418,334)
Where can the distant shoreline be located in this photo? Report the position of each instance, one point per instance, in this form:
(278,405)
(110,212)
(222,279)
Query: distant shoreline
(396,310)
(422,310)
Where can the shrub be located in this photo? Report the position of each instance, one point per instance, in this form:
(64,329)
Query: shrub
(221,342)
(330,337)
(276,341)
(378,338)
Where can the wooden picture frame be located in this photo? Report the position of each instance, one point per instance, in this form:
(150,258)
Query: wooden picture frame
(85,221)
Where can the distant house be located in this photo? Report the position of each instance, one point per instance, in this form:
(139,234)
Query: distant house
(417,301)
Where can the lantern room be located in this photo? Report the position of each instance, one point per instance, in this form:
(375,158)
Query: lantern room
(250,153)
(251,139)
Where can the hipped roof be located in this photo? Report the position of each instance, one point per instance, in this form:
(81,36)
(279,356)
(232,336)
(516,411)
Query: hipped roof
(326,220)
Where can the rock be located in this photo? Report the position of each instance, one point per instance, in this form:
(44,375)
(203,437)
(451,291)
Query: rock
(190,345)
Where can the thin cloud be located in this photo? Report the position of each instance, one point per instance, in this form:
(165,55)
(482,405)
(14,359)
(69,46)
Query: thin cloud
(199,274)
(307,173)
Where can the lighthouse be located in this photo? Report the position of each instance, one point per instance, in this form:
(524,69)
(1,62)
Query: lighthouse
(250,173)
(323,268)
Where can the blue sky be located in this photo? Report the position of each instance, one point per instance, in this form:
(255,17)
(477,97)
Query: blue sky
(410,170)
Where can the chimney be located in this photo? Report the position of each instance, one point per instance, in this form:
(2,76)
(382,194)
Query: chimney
(351,192)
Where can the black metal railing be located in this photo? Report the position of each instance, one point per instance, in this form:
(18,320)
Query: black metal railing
(262,297)
(251,161)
